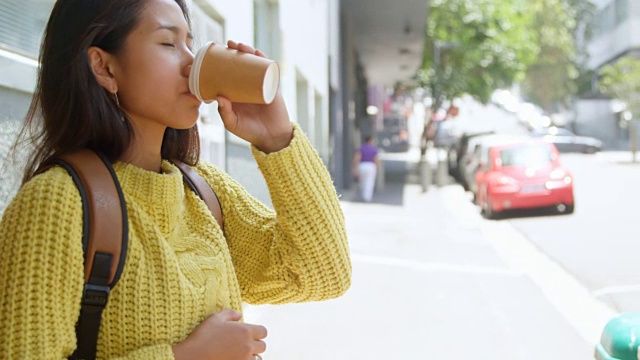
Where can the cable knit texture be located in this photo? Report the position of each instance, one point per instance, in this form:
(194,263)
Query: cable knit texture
(180,267)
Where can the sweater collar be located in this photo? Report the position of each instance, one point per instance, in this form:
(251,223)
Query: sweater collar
(161,194)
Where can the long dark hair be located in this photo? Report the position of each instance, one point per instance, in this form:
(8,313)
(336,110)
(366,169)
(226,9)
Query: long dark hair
(70,110)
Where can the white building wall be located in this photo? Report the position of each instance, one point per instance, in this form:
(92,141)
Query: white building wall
(236,16)
(305,36)
(621,38)
(303,52)
(595,118)
(609,46)
(305,43)
(334,43)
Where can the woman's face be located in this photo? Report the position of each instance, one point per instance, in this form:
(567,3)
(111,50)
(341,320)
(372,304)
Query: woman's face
(153,69)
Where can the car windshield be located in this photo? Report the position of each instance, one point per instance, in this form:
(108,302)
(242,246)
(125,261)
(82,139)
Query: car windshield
(525,156)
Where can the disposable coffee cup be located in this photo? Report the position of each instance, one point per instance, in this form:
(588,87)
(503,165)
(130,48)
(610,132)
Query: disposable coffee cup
(240,77)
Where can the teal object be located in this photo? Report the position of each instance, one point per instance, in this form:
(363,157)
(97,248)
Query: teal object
(620,338)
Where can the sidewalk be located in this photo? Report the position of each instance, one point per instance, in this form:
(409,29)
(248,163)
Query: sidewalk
(428,283)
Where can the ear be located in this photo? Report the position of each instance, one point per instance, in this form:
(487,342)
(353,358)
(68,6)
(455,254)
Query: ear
(102,65)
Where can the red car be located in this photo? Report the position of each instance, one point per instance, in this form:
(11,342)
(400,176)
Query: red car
(522,174)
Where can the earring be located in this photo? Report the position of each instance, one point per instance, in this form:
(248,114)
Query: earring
(115,96)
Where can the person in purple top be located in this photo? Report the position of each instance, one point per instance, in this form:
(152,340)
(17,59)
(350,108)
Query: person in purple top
(365,166)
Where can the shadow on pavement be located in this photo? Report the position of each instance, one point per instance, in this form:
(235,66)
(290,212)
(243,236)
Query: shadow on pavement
(529,213)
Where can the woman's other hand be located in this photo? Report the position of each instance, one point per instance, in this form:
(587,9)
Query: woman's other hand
(265,126)
(222,337)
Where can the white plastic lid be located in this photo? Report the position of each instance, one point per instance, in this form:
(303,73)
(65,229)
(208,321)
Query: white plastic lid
(271,82)
(194,75)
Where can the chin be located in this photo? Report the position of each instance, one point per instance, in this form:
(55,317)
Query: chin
(185,123)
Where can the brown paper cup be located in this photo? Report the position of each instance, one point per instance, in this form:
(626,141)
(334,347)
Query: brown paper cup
(240,77)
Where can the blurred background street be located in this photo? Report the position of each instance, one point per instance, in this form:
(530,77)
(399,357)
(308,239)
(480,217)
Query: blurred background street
(433,279)
(504,218)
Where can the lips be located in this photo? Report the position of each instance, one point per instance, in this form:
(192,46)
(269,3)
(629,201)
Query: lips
(189,94)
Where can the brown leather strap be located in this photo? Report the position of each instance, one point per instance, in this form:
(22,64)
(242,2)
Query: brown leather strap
(105,211)
(203,190)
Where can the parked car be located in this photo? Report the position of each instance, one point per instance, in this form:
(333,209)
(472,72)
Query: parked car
(394,136)
(456,155)
(523,174)
(477,146)
(446,134)
(566,141)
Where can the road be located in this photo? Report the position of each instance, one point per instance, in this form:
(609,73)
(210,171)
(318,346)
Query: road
(598,243)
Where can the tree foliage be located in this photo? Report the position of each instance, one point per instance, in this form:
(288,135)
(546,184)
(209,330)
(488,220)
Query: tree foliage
(621,80)
(483,45)
(488,44)
(560,29)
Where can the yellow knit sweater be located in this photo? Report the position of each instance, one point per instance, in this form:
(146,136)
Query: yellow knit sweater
(180,267)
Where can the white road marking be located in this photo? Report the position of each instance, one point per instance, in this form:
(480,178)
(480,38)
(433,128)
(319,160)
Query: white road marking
(616,290)
(433,266)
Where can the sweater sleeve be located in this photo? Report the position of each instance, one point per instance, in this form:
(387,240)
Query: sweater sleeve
(41,269)
(42,274)
(298,252)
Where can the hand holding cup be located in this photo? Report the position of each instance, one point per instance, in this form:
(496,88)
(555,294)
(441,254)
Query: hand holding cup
(264,124)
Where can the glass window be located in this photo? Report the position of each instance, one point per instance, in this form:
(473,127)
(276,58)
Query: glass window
(267,28)
(622,11)
(22,24)
(525,156)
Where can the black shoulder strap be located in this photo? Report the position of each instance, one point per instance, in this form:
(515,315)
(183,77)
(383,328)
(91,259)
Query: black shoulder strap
(104,239)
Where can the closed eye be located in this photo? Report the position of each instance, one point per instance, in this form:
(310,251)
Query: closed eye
(168,44)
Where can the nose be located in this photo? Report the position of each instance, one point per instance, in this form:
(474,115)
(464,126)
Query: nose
(189,57)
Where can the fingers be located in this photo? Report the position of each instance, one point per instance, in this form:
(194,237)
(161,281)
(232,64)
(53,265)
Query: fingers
(259,347)
(225,109)
(229,315)
(244,48)
(261,54)
(257,331)
(228,116)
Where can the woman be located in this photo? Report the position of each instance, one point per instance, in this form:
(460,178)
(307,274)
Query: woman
(114,78)
(365,168)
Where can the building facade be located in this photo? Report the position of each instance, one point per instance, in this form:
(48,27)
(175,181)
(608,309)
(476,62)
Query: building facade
(616,34)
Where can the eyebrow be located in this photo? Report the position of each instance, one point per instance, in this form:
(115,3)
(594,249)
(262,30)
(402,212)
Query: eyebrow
(174,29)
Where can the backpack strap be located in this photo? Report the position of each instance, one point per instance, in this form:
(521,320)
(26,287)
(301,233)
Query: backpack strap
(202,189)
(104,239)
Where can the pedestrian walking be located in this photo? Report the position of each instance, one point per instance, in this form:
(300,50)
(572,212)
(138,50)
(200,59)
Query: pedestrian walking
(114,79)
(365,167)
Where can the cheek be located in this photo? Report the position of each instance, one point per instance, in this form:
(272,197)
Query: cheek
(149,86)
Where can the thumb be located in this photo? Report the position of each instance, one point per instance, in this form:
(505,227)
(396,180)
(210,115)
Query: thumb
(229,315)
(225,109)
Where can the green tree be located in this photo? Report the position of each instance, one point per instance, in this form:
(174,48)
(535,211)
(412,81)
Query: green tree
(482,45)
(474,47)
(621,80)
(560,28)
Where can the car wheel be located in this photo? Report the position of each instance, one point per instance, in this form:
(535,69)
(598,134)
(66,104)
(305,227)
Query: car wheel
(488,211)
(590,150)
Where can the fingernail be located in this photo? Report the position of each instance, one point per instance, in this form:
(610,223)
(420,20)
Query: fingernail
(220,104)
